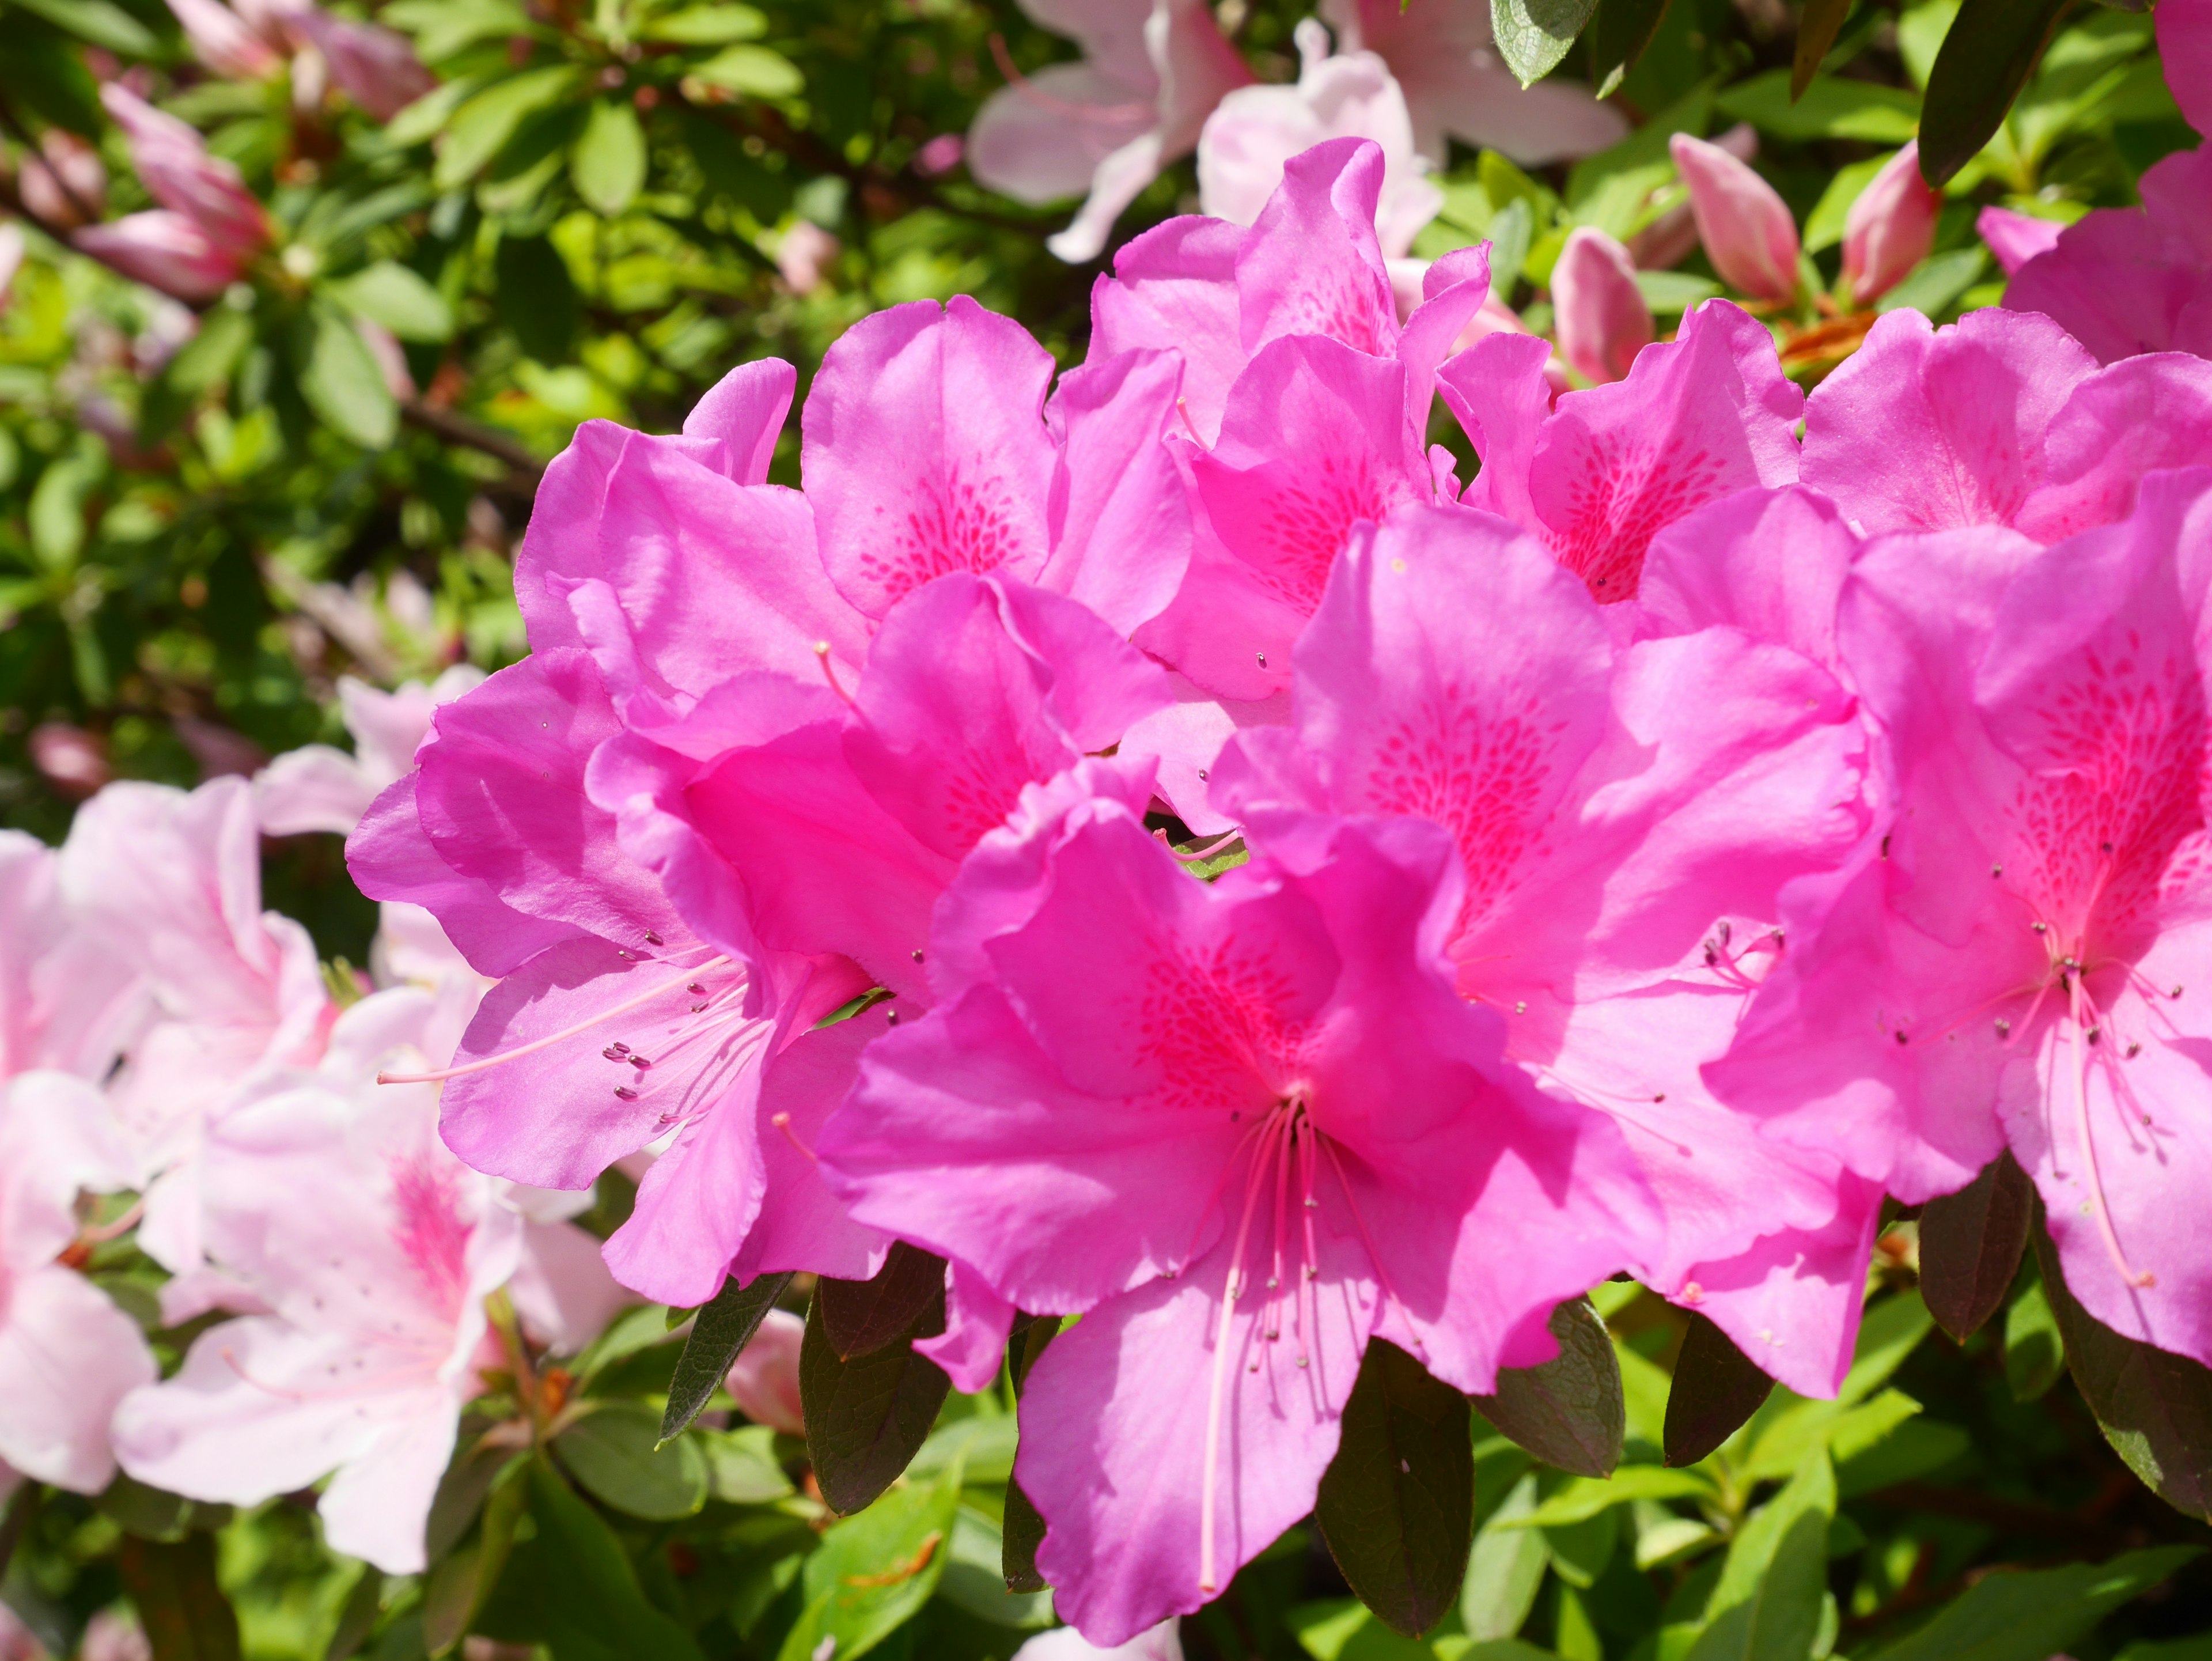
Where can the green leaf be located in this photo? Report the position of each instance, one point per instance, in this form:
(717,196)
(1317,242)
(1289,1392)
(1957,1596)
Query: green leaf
(1715,1390)
(608,163)
(616,1452)
(537,298)
(1824,226)
(1916,1448)
(1533,35)
(1829,107)
(742,1468)
(707,26)
(1937,281)
(1585,1497)
(755,71)
(2035,1352)
(859,1315)
(1971,1243)
(342,382)
(723,1328)
(1817,28)
(874,1572)
(426,118)
(1396,1505)
(1674,292)
(1892,1330)
(1766,1604)
(462,1491)
(867,1416)
(1512,229)
(1569,1411)
(398,298)
(1506,1570)
(153,1513)
(1343,1629)
(973,1580)
(442,27)
(172,1586)
(1622,30)
(2026,1615)
(1985,60)
(1580,1552)
(2155,1407)
(100,22)
(46,75)
(481,127)
(982,1446)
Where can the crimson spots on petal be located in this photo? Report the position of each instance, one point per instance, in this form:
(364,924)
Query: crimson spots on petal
(1624,494)
(1306,517)
(1215,1014)
(958,524)
(429,1228)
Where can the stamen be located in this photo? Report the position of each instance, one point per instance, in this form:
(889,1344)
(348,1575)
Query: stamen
(567,1032)
(1194,857)
(1375,1257)
(1030,91)
(822,657)
(2089,1153)
(1182,408)
(782,1121)
(1231,1290)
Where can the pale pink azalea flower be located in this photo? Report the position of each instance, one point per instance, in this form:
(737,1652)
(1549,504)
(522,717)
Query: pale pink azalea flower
(68,1355)
(221,40)
(65,1002)
(1256,131)
(940,155)
(803,254)
(1152,70)
(65,184)
(1442,56)
(320,788)
(1890,228)
(372,1248)
(1599,314)
(1672,237)
(763,1381)
(71,759)
(2016,238)
(11,258)
(1160,1643)
(172,162)
(1746,228)
(109,1636)
(167,251)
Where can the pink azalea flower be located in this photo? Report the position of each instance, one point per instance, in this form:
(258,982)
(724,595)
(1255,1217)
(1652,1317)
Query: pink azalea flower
(317,787)
(372,1248)
(374,66)
(1746,228)
(1770,562)
(173,164)
(65,183)
(2016,238)
(64,1004)
(1152,72)
(1160,1643)
(2001,418)
(803,254)
(169,884)
(1441,53)
(221,39)
(167,251)
(1595,478)
(1603,320)
(67,1355)
(1256,131)
(763,1381)
(1627,818)
(1134,1140)
(1890,228)
(2012,960)
(2184,54)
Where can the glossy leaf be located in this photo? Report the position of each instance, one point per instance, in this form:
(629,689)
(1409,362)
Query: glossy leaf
(1533,35)
(1569,1411)
(1766,1604)
(722,1327)
(755,71)
(482,126)
(710,24)
(2029,1615)
(866,1417)
(1817,27)
(875,1571)
(616,1452)
(1971,1243)
(1984,61)
(1618,35)
(859,1315)
(1396,1505)
(391,293)
(2155,1407)
(2034,1350)
(1715,1390)
(1830,106)
(100,22)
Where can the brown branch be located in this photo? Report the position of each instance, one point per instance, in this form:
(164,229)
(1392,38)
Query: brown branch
(474,435)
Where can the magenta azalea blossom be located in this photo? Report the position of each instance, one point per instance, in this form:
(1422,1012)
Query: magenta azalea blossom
(2014,960)
(1627,819)
(1700,418)
(1253,1127)
(2001,418)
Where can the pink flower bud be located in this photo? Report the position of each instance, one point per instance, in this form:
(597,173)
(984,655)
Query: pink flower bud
(763,1380)
(1746,228)
(173,164)
(1890,228)
(66,185)
(163,250)
(1601,317)
(940,155)
(2016,238)
(374,67)
(804,253)
(222,41)
(74,761)
(1668,240)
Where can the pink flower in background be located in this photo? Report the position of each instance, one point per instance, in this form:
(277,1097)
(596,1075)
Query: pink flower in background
(2016,238)
(2015,960)
(374,66)
(803,254)
(1160,1643)
(317,787)
(65,1003)
(1595,478)
(67,1353)
(1672,237)
(172,162)
(1747,229)
(372,1248)
(2001,418)
(1627,819)
(940,155)
(1442,54)
(1257,130)
(1152,72)
(1133,1140)
(763,1381)
(1890,227)
(64,185)
(163,250)
(11,258)
(222,40)
(1601,316)
(71,759)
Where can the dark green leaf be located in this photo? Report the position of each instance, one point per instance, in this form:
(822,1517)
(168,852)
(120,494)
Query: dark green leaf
(2027,1616)
(874,1572)
(358,1617)
(2155,1407)
(1533,35)
(153,1513)
(723,1327)
(859,1315)
(2034,1353)
(1025,1533)
(1816,32)
(44,73)
(1767,1601)
(742,1467)
(1937,281)
(203,362)
(1971,1243)
(1716,1388)
(1569,1412)
(172,1586)
(461,1493)
(975,1576)
(608,164)
(1396,1505)
(616,1452)
(100,22)
(866,1417)
(1618,34)
(481,127)
(1984,61)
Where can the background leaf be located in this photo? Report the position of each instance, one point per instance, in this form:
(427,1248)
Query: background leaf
(1569,1412)
(1533,35)
(1984,62)
(866,1417)
(722,1327)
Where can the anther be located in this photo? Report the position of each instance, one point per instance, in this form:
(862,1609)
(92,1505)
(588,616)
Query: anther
(611,1053)
(1202,776)
(695,988)
(1885,848)
(890,1018)
(1521,1008)
(2094,1034)
(2175,992)
(1997,870)
(822,657)
(652,938)
(619,1047)
(1661,1097)
(625,1092)
(1901,1039)
(1302,1360)
(2004,1028)
(698,1008)
(2134,1051)
(640,1062)
(1312,1274)
(2041,927)
(1272,1284)
(917,956)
